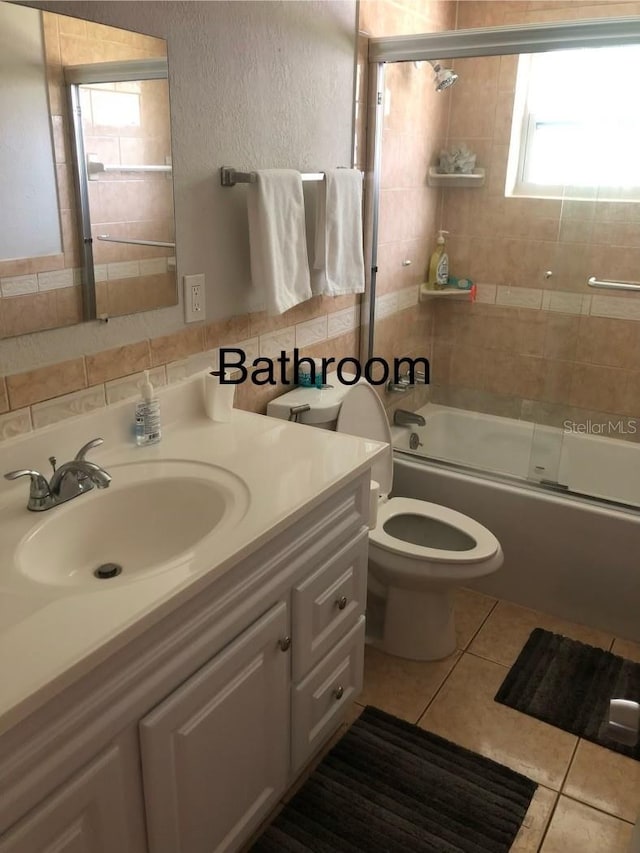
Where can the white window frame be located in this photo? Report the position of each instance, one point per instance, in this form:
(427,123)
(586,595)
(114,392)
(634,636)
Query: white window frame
(523,129)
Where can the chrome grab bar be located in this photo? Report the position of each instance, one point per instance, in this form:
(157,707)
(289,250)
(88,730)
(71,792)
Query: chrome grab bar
(612,285)
(105,238)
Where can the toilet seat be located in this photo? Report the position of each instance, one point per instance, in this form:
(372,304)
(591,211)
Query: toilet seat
(486,544)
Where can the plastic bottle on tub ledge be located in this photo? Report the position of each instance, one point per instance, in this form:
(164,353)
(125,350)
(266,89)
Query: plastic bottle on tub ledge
(439,264)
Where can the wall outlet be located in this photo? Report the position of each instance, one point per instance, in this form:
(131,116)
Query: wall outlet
(194,305)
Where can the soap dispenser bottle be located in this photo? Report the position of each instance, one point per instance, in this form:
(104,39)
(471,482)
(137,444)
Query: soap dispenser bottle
(439,264)
(147,421)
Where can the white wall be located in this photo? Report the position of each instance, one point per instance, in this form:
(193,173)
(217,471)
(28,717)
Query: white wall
(253,84)
(29,218)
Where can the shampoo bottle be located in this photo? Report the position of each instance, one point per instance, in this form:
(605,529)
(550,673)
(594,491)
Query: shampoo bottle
(147,422)
(439,264)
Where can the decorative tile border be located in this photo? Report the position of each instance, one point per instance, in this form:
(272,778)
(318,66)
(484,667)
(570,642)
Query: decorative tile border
(55,280)
(519,297)
(186,367)
(60,408)
(341,322)
(616,307)
(23,285)
(281,340)
(15,423)
(42,282)
(182,353)
(564,302)
(558,301)
(311,332)
(128,387)
(19,285)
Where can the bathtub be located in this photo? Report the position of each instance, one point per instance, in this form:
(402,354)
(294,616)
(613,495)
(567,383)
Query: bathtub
(565,553)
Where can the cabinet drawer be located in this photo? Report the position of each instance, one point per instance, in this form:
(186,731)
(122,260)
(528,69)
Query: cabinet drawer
(318,703)
(327,603)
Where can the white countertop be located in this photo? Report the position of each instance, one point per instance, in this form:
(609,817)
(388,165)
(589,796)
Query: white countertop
(50,636)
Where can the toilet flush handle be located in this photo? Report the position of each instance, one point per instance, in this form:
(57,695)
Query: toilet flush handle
(296,411)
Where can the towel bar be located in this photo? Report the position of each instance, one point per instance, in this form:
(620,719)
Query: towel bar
(229,177)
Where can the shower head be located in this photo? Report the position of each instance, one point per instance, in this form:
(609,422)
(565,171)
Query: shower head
(444,77)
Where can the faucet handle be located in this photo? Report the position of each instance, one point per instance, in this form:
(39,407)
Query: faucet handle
(39,484)
(81,454)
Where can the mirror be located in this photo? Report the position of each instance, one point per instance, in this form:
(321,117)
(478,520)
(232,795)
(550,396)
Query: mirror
(86,217)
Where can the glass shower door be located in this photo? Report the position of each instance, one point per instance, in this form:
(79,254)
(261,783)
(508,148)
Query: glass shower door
(125,190)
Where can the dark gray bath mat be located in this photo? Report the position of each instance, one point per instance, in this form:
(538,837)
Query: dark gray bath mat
(388,786)
(569,684)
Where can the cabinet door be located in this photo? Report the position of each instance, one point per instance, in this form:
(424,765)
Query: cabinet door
(215,752)
(90,813)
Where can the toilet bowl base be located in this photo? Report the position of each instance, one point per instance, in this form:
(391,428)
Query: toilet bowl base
(419,625)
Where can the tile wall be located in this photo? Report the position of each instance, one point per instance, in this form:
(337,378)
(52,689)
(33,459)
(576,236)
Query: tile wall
(544,348)
(323,326)
(414,130)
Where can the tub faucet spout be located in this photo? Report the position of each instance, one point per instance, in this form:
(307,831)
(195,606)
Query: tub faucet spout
(401,417)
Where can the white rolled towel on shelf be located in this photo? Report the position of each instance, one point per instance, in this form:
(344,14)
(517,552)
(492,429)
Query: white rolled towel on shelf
(279,260)
(338,254)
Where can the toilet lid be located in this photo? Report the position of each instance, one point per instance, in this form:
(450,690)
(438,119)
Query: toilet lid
(362,414)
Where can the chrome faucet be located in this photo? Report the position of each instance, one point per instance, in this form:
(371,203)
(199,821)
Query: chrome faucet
(404,382)
(401,417)
(71,479)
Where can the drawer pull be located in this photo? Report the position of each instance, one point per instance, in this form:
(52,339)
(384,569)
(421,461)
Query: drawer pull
(342,602)
(339,692)
(285,644)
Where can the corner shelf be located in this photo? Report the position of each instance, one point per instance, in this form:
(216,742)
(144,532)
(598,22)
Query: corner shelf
(446,292)
(438,179)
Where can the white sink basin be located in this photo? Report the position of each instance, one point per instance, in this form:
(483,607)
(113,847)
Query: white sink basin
(151,519)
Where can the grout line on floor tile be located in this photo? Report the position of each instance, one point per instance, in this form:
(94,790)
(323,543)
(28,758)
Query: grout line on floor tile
(440,686)
(549,822)
(489,660)
(597,809)
(569,765)
(481,625)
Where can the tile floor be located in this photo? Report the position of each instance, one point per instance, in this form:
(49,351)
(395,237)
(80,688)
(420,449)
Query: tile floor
(588,797)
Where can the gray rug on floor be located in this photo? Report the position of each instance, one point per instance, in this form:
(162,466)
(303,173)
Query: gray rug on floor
(569,684)
(389,786)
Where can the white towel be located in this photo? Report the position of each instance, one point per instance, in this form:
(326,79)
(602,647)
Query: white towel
(279,260)
(338,238)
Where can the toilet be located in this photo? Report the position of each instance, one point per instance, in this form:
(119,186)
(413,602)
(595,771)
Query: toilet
(418,551)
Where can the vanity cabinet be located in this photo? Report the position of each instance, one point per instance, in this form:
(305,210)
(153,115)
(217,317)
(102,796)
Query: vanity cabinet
(95,811)
(186,737)
(216,752)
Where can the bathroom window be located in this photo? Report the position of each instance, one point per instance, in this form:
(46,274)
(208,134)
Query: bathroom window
(576,125)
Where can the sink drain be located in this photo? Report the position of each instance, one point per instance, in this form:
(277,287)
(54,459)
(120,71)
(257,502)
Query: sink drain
(107,570)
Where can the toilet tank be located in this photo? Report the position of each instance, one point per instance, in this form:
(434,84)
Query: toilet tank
(324,403)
